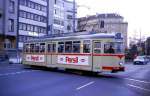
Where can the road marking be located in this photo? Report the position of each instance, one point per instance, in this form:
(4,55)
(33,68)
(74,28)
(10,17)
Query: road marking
(138,87)
(14,73)
(85,85)
(138,80)
(8,68)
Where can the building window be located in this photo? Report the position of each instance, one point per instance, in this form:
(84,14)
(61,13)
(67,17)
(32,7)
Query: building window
(24,27)
(69,16)
(11,6)
(43,8)
(68,27)
(102,24)
(35,29)
(11,25)
(28,27)
(7,44)
(32,28)
(28,15)
(20,26)
(31,5)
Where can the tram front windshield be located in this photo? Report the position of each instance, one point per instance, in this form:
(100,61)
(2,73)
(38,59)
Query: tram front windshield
(113,47)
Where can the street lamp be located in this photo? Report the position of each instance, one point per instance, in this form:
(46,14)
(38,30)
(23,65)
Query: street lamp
(74,15)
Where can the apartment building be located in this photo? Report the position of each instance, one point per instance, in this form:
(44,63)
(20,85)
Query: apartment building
(105,23)
(60,17)
(69,16)
(8,24)
(56,17)
(21,20)
(32,19)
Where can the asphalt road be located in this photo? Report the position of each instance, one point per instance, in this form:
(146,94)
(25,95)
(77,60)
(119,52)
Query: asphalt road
(15,80)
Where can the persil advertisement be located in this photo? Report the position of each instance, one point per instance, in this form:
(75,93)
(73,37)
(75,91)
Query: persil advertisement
(76,60)
(35,58)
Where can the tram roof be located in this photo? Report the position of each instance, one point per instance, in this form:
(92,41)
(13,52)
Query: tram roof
(77,36)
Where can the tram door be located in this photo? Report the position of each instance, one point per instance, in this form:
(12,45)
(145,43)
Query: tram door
(51,49)
(97,50)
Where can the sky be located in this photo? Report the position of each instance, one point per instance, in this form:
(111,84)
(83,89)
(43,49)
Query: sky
(135,12)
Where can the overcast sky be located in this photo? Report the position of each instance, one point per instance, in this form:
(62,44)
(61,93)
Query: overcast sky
(135,12)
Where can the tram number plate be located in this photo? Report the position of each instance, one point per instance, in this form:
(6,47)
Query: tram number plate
(77,60)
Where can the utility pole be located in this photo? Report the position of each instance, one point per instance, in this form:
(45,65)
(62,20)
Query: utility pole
(140,37)
(74,17)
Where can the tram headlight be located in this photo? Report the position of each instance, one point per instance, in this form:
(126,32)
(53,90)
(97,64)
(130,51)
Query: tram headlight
(121,63)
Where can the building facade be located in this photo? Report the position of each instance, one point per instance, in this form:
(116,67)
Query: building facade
(32,19)
(8,24)
(69,16)
(60,17)
(105,23)
(21,20)
(56,17)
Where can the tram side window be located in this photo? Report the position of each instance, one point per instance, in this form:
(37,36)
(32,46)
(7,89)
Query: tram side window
(32,47)
(68,46)
(51,48)
(37,47)
(109,47)
(86,46)
(97,47)
(76,46)
(27,48)
(60,47)
(42,47)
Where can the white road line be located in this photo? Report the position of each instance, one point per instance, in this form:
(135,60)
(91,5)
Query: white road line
(138,80)
(85,85)
(148,90)
(14,73)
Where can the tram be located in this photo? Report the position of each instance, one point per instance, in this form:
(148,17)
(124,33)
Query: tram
(98,52)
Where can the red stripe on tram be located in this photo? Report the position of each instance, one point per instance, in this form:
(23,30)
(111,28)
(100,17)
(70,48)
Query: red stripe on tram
(111,68)
(117,55)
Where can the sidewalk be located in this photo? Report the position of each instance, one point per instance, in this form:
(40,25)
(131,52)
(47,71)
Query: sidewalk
(4,63)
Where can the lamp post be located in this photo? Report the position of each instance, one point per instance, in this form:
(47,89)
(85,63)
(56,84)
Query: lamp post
(74,12)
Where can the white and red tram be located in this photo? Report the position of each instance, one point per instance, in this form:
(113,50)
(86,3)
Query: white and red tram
(90,52)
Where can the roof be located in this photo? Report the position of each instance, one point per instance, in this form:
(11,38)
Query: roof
(103,16)
(83,36)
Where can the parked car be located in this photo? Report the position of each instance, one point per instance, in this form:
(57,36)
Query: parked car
(141,60)
(15,60)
